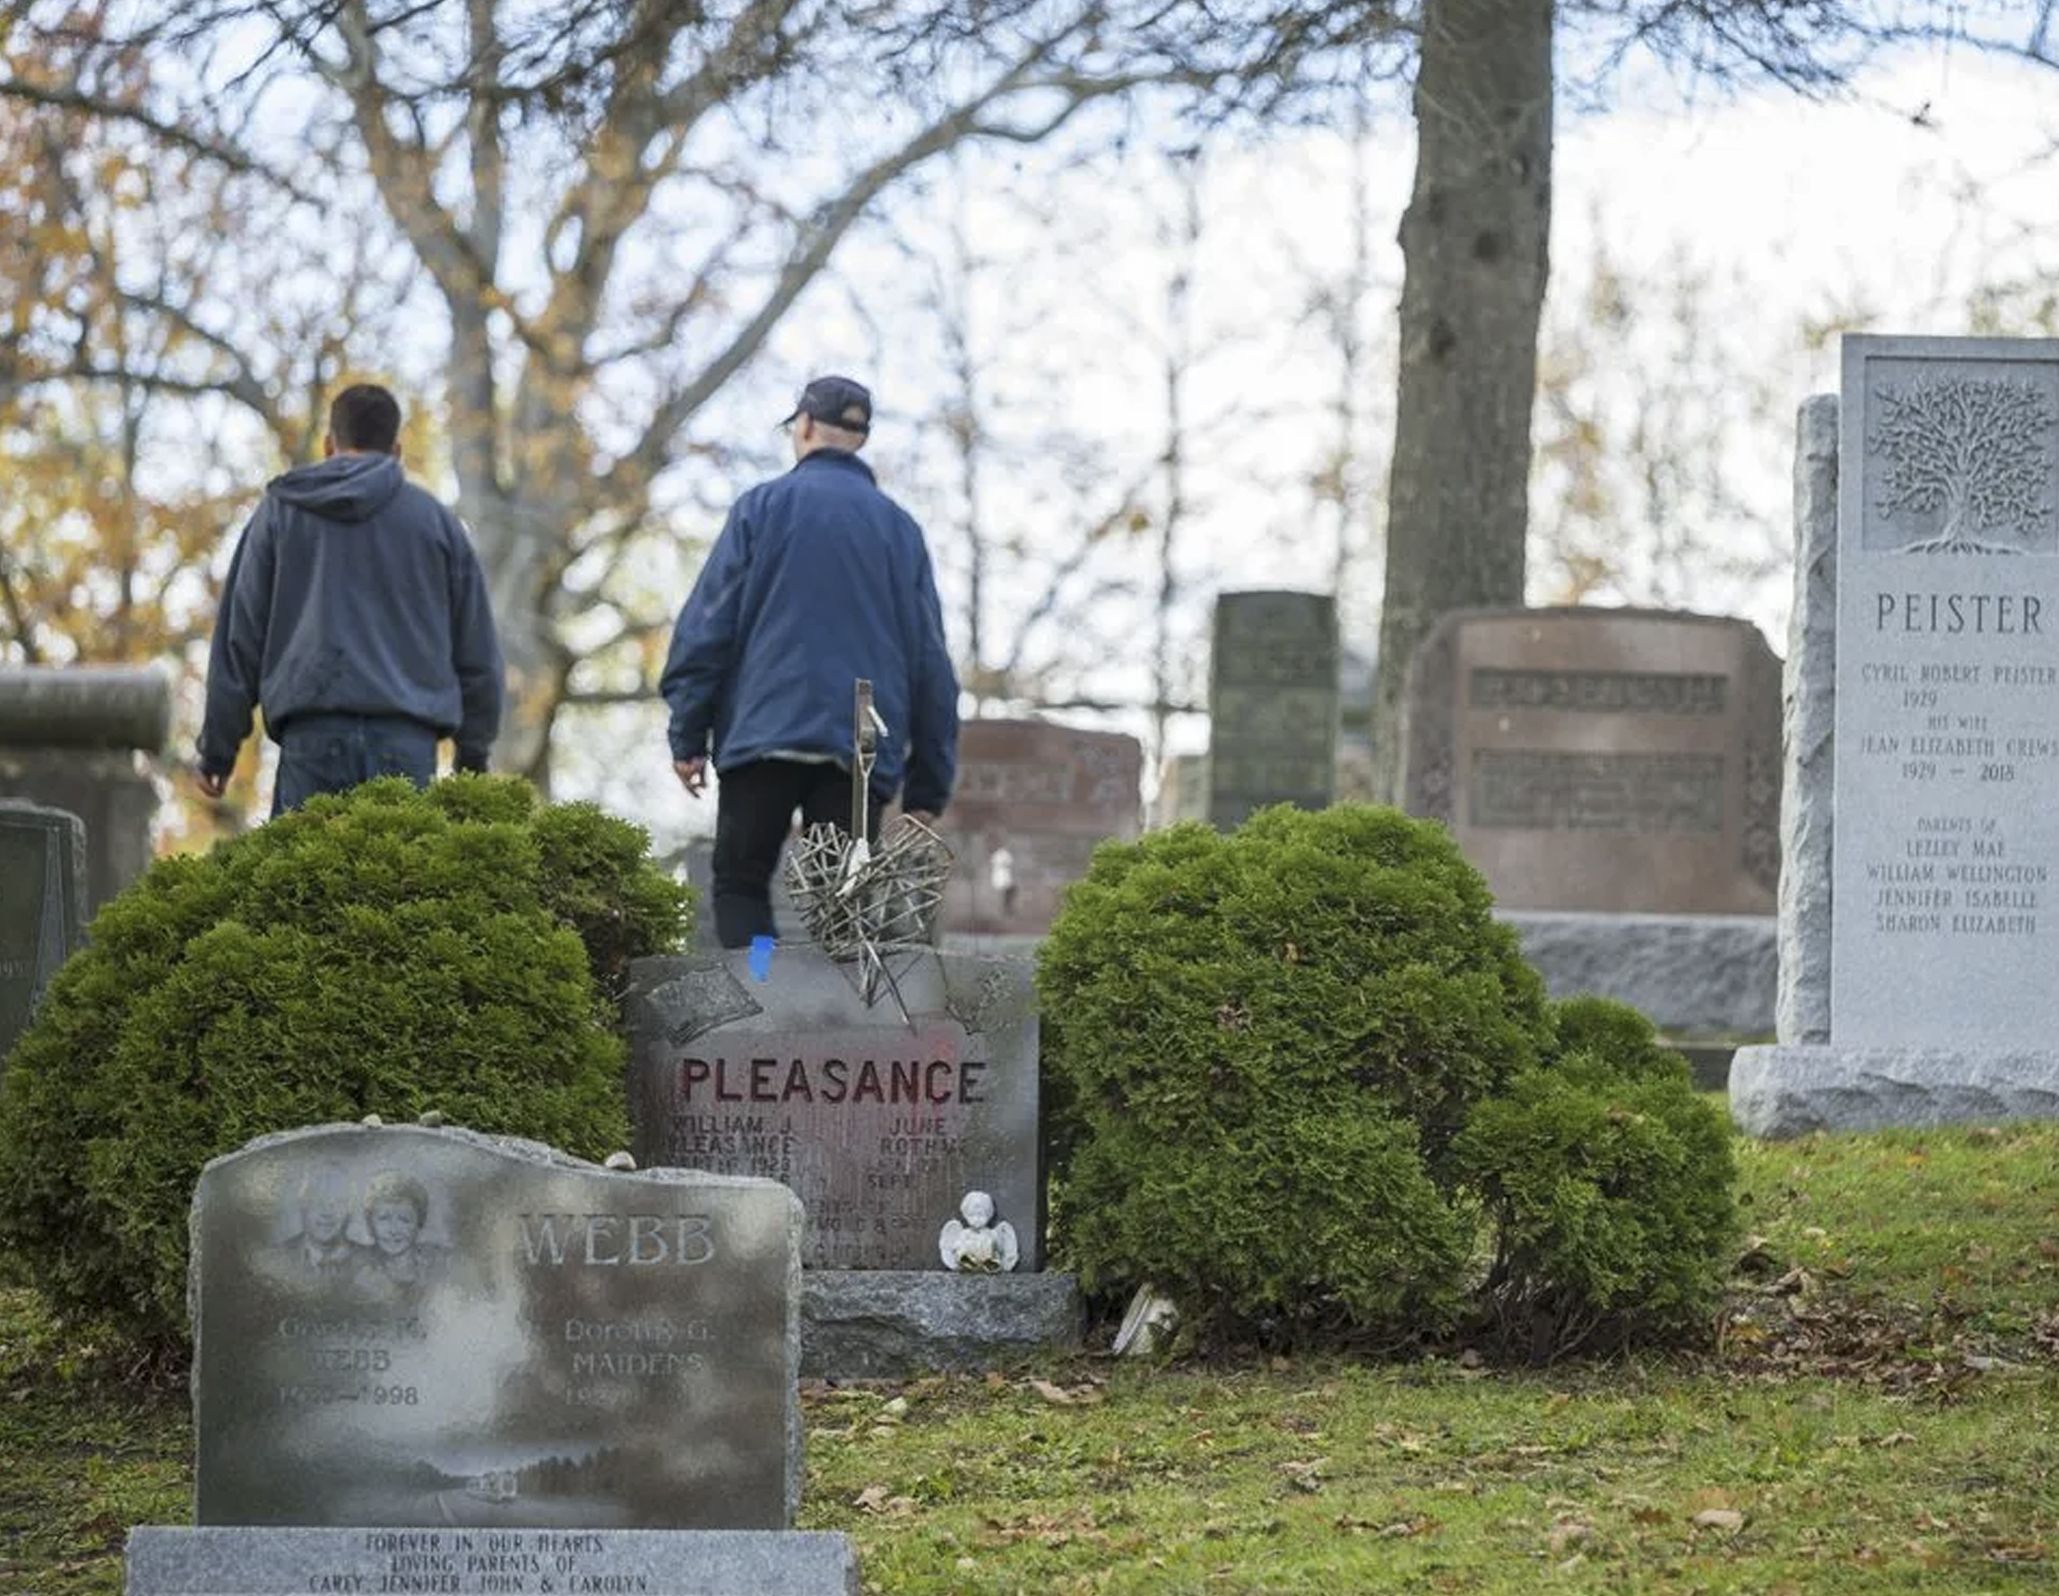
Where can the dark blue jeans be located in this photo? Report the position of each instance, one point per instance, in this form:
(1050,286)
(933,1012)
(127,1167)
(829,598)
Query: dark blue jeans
(333,753)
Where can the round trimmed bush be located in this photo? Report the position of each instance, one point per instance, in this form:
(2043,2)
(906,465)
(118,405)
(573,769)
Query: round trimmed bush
(388,952)
(1608,1181)
(1264,1045)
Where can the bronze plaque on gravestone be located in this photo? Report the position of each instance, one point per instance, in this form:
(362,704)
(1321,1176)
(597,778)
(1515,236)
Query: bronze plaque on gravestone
(1272,704)
(403,1326)
(1032,801)
(1615,761)
(881,1125)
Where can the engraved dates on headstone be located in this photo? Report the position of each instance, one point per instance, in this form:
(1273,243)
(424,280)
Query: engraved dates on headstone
(1944,925)
(407,1326)
(42,899)
(1608,761)
(881,1127)
(1272,703)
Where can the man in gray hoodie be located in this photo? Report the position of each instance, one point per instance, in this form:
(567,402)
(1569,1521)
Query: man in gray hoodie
(356,615)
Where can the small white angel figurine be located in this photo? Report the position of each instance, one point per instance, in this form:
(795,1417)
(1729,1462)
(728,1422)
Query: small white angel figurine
(978,1246)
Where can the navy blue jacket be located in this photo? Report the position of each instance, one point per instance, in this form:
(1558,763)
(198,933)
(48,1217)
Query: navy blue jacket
(817,579)
(353,592)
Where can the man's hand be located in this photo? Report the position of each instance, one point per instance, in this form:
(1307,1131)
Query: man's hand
(212,784)
(692,774)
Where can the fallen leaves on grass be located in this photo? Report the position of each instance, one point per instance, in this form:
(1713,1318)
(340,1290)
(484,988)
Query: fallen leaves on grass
(1727,1519)
(1059,1396)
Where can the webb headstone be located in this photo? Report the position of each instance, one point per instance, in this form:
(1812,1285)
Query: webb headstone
(79,738)
(1272,704)
(42,893)
(405,1326)
(1032,802)
(1920,934)
(1614,761)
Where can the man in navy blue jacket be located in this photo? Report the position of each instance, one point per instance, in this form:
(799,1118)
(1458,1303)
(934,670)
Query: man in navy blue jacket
(356,614)
(817,579)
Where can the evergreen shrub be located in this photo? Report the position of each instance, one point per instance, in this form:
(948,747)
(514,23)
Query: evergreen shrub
(1266,1043)
(387,951)
(1608,1183)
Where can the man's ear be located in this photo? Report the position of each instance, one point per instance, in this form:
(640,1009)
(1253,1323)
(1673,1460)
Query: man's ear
(328,446)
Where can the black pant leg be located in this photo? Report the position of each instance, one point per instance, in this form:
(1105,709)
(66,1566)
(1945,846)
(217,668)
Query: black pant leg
(827,801)
(754,811)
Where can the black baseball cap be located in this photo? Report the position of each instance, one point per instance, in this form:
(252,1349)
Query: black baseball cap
(836,402)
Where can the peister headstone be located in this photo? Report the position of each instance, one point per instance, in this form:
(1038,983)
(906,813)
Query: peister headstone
(1918,924)
(1272,704)
(1609,761)
(1032,802)
(79,738)
(42,895)
(881,1125)
(407,1326)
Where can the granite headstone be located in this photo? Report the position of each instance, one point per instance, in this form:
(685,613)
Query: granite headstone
(412,1326)
(78,738)
(880,1125)
(1611,761)
(1032,801)
(1272,704)
(42,893)
(1919,934)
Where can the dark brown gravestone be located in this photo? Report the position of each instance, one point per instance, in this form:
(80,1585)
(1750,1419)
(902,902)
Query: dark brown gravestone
(402,1326)
(1272,704)
(881,1125)
(1032,802)
(1615,761)
(42,906)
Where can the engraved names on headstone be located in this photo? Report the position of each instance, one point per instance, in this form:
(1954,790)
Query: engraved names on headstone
(42,905)
(882,1127)
(406,1326)
(1032,801)
(1945,925)
(1607,761)
(1272,703)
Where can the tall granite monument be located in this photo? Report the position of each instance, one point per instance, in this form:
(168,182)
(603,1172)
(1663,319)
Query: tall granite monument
(1922,835)
(1272,704)
(432,1360)
(1032,802)
(42,897)
(80,739)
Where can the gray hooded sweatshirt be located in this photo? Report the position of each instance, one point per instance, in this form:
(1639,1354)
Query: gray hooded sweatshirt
(353,592)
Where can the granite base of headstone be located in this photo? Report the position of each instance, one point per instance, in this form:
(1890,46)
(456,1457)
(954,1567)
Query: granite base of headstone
(431,1360)
(882,1124)
(1691,974)
(893,1323)
(1781,1091)
(42,906)
(511,1561)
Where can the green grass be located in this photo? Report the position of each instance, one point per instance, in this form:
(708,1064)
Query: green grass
(1881,1414)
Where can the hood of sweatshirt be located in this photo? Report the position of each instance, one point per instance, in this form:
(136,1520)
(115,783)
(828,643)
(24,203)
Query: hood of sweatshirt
(345,487)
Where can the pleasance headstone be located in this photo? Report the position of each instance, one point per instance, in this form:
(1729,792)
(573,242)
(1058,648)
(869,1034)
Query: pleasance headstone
(1272,704)
(1032,802)
(880,1124)
(897,1132)
(42,897)
(1606,761)
(406,1326)
(1918,924)
(80,738)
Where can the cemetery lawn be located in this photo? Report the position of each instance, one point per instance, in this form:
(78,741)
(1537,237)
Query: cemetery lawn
(1882,1414)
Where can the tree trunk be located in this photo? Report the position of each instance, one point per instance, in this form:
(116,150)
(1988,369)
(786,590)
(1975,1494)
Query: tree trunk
(1474,242)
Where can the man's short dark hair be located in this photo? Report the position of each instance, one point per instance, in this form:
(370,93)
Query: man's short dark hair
(365,418)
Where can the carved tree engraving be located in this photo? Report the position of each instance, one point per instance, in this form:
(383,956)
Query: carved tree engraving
(1974,449)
